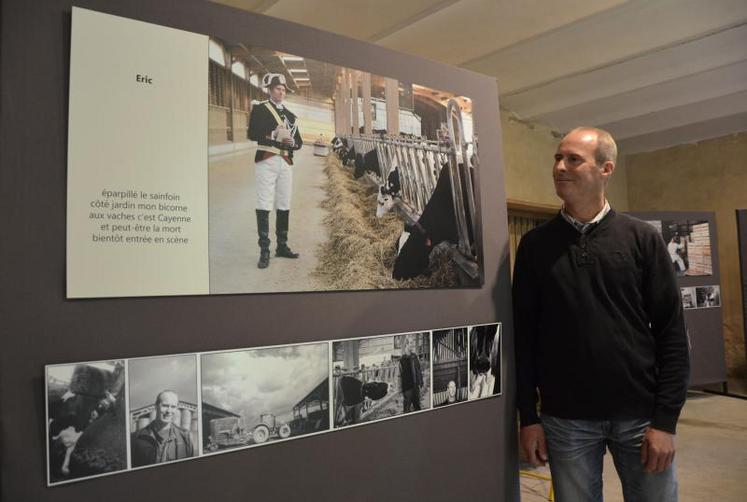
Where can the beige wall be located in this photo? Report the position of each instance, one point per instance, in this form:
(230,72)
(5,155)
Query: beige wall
(707,176)
(528,157)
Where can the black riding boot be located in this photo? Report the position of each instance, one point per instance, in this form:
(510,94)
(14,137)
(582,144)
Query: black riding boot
(263,230)
(281,231)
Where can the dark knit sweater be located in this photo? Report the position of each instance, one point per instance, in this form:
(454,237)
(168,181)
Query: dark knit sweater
(599,324)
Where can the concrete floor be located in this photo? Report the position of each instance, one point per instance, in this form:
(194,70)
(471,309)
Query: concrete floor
(233,245)
(711,454)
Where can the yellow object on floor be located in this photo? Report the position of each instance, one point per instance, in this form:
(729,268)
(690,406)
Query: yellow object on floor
(543,477)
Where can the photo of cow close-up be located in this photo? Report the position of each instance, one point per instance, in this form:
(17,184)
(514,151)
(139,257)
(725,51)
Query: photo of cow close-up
(484,361)
(380,377)
(450,381)
(257,396)
(374,189)
(86,420)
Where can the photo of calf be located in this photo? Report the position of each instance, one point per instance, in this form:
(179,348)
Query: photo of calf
(484,361)
(323,177)
(86,420)
(257,396)
(380,377)
(449,366)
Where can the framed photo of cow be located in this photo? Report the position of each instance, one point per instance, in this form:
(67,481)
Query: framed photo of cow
(86,420)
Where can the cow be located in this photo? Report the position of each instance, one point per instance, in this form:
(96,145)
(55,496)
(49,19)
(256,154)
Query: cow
(437,224)
(337,144)
(348,156)
(388,193)
(87,424)
(368,163)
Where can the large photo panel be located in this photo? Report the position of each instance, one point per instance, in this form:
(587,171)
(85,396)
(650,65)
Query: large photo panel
(226,167)
(366,200)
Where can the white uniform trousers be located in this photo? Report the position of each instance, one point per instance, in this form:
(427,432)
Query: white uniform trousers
(274,180)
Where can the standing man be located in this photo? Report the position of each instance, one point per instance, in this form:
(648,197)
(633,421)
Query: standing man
(161,440)
(600,334)
(411,377)
(275,130)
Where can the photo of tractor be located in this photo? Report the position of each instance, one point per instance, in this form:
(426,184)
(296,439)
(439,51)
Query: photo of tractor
(230,432)
(245,404)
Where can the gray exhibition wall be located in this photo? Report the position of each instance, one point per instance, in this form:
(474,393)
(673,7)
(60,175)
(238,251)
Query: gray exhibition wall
(465,452)
(705,325)
(742,240)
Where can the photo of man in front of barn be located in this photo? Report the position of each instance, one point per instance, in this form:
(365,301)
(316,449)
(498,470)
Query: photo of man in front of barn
(600,337)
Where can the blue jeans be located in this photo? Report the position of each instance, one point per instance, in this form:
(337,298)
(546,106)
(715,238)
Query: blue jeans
(576,451)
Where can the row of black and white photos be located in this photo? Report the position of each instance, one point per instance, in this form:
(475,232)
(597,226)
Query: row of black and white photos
(105,417)
(698,297)
(174,198)
(689,245)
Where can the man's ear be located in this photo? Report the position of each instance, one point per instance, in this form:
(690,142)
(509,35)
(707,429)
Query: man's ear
(608,168)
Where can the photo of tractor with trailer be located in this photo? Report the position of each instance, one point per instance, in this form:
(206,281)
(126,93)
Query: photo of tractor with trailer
(311,414)
(230,432)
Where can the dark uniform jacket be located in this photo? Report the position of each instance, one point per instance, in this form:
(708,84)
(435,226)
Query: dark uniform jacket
(263,121)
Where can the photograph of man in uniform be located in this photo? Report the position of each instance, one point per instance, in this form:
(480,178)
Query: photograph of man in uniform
(161,440)
(274,129)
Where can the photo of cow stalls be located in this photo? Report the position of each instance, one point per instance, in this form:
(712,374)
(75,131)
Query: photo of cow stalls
(86,420)
(380,377)
(346,181)
(450,382)
(485,361)
(164,414)
(257,396)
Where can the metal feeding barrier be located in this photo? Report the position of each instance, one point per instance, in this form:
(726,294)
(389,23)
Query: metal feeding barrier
(419,162)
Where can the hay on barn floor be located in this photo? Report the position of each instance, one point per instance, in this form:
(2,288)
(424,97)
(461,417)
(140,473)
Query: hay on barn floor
(360,251)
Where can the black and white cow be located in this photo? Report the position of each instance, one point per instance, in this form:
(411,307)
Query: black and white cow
(368,163)
(348,156)
(87,424)
(339,146)
(437,224)
(389,192)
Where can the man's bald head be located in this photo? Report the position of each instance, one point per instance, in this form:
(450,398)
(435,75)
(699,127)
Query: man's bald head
(606,149)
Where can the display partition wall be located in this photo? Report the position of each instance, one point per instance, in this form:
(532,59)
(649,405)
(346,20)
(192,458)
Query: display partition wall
(692,244)
(742,242)
(457,452)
